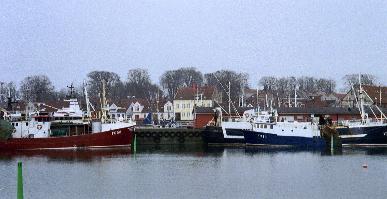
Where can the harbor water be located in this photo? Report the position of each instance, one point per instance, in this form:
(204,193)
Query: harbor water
(197,173)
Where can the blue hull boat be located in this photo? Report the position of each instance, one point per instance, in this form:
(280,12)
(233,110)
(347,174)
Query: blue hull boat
(258,138)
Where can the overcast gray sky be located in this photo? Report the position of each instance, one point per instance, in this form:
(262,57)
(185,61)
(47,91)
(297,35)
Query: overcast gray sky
(66,39)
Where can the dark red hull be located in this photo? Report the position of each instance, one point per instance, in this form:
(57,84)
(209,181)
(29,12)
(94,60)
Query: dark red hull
(114,138)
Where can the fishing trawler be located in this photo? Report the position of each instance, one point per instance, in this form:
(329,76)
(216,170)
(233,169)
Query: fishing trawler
(225,132)
(68,127)
(267,131)
(367,131)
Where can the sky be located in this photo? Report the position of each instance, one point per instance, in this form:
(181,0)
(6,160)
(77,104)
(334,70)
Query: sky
(67,39)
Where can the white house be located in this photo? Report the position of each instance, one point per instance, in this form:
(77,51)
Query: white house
(136,111)
(117,113)
(168,113)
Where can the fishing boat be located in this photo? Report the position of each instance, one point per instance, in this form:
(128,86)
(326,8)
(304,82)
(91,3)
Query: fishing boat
(66,128)
(45,132)
(121,137)
(367,131)
(225,132)
(267,131)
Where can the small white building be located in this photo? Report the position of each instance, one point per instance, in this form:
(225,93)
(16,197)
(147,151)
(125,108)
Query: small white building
(168,113)
(117,113)
(136,111)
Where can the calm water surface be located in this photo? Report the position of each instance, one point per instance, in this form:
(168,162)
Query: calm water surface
(198,173)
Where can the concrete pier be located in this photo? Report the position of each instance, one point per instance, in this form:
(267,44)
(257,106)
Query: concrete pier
(168,136)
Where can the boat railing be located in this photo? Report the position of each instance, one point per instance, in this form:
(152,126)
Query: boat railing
(358,122)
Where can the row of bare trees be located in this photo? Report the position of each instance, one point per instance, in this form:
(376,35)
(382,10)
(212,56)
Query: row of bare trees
(138,84)
(285,86)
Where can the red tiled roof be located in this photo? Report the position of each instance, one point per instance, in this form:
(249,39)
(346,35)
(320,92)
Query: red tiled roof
(189,93)
(339,95)
(125,103)
(374,93)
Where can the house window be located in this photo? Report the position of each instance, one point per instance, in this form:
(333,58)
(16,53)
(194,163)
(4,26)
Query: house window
(183,105)
(188,105)
(177,105)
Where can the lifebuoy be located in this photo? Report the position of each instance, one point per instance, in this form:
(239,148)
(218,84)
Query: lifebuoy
(179,134)
(190,134)
(156,140)
(181,140)
(172,134)
(148,134)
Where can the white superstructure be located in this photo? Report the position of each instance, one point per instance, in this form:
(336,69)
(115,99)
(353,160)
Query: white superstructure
(37,127)
(266,122)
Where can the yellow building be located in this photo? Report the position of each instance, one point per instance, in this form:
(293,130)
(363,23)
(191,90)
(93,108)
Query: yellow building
(187,98)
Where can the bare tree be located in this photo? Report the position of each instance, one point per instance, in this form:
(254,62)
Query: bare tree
(174,79)
(37,88)
(326,85)
(285,86)
(269,83)
(139,85)
(353,80)
(221,78)
(8,90)
(111,79)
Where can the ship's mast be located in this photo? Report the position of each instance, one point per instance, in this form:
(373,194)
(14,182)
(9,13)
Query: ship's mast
(380,102)
(157,106)
(103,103)
(361,101)
(243,95)
(295,96)
(229,100)
(257,97)
(290,105)
(87,101)
(71,87)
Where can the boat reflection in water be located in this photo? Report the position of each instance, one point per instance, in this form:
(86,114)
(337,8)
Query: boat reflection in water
(87,154)
(69,154)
